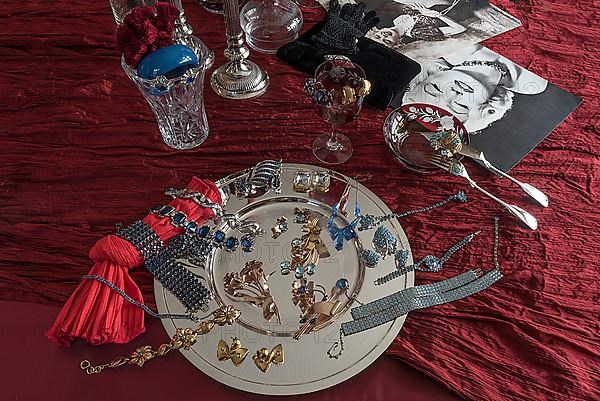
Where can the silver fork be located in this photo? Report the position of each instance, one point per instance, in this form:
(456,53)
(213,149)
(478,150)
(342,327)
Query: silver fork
(455,167)
(477,154)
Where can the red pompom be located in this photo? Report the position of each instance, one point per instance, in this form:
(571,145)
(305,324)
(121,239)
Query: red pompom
(146,29)
(166,15)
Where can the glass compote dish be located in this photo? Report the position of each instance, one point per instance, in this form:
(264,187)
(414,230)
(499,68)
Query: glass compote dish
(403,130)
(270,24)
(337,91)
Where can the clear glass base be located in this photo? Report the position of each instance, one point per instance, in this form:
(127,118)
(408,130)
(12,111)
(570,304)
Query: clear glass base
(330,152)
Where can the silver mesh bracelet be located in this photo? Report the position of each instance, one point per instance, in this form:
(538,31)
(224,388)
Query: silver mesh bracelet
(186,287)
(170,273)
(415,292)
(143,238)
(406,302)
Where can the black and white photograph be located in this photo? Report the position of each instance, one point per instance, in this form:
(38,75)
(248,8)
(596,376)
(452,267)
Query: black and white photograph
(427,29)
(506,109)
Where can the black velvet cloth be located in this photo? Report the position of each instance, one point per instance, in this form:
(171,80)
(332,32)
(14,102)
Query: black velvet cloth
(389,71)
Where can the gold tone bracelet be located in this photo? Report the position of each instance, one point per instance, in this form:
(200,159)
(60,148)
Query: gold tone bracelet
(183,338)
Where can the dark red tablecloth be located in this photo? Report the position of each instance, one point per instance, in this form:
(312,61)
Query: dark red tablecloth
(81,152)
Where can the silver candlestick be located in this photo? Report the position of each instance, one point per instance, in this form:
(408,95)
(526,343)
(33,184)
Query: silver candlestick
(239,78)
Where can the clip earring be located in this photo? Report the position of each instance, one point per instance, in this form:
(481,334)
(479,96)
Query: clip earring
(302,215)
(370,258)
(247,242)
(264,358)
(285,267)
(384,242)
(302,181)
(321,181)
(280,227)
(401,259)
(231,244)
(251,286)
(236,352)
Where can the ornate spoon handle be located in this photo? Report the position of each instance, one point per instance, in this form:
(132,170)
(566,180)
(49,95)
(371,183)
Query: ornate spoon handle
(524,216)
(529,189)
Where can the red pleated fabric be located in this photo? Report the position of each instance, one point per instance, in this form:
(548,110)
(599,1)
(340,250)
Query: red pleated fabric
(95,312)
(81,151)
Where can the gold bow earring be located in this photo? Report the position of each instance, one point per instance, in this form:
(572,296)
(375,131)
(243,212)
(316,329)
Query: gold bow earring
(263,358)
(236,352)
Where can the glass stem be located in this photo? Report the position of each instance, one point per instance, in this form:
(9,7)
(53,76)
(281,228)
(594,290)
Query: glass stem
(333,144)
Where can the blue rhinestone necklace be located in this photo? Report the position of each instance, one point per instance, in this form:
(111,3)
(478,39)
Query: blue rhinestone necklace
(429,263)
(370,221)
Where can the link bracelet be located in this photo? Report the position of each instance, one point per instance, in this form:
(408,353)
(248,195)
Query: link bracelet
(183,338)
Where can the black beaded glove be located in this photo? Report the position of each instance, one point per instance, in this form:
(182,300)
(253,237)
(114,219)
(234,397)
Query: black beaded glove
(343,27)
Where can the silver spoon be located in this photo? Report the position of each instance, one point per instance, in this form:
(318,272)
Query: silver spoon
(456,168)
(477,154)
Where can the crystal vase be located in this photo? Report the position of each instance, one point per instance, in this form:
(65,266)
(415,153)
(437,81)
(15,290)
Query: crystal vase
(178,103)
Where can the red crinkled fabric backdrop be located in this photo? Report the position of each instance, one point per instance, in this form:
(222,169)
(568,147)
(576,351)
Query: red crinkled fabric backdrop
(80,152)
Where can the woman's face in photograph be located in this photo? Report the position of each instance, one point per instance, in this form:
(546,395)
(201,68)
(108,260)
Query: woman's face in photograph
(455,91)
(386,36)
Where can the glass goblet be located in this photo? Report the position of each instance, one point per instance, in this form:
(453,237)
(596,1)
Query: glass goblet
(337,92)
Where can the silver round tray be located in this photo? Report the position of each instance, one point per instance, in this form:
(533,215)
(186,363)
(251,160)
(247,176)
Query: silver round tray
(307,366)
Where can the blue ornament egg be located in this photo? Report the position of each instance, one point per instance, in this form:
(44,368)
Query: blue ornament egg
(171,61)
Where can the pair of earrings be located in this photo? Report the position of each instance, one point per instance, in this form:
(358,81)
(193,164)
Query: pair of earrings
(263,358)
(307,181)
(302,216)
